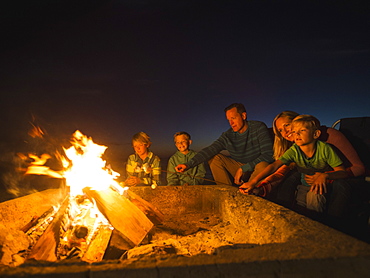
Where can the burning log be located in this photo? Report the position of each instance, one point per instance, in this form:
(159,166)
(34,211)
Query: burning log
(99,244)
(78,227)
(37,221)
(30,224)
(131,223)
(45,247)
(147,208)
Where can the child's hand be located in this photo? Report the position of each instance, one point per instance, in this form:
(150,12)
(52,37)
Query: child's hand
(317,182)
(247,188)
(132,181)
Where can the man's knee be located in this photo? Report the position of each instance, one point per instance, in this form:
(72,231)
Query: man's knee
(217,160)
(214,159)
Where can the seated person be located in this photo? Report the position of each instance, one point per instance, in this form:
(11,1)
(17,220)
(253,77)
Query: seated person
(286,178)
(143,167)
(248,143)
(320,167)
(193,176)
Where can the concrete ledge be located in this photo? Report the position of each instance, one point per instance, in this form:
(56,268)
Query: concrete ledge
(267,241)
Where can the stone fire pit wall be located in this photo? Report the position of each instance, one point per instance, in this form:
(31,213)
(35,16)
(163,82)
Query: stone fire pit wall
(266,240)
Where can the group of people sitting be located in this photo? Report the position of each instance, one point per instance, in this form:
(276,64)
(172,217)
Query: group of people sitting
(302,164)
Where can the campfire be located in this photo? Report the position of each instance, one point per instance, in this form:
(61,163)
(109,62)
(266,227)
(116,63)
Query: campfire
(202,230)
(95,206)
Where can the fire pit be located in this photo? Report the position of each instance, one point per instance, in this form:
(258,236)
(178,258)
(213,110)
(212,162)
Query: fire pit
(207,231)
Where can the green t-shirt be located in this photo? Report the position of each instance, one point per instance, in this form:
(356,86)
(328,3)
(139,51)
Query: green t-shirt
(323,160)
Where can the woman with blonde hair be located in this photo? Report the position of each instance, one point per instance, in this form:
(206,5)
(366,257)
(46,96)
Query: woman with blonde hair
(286,179)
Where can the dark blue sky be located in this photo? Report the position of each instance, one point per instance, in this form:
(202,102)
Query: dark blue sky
(114,68)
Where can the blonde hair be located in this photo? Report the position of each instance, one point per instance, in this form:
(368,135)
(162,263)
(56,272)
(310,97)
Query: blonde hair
(142,137)
(280,143)
(187,135)
(308,121)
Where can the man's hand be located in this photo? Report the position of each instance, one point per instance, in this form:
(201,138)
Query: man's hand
(317,182)
(181,168)
(247,188)
(237,177)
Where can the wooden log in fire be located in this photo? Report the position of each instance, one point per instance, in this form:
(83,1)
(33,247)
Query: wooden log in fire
(45,247)
(131,223)
(30,224)
(97,247)
(155,215)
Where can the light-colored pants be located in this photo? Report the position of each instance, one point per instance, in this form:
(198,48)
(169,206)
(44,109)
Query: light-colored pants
(223,166)
(310,200)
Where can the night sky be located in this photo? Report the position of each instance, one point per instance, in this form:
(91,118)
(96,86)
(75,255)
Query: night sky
(114,68)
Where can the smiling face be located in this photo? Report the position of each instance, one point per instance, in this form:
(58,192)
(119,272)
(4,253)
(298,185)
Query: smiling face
(284,127)
(182,143)
(237,120)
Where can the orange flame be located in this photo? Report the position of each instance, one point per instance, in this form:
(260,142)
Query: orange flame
(36,131)
(37,166)
(83,167)
(86,167)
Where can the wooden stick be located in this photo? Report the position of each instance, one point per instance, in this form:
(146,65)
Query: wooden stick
(122,214)
(98,245)
(196,177)
(30,224)
(155,215)
(45,247)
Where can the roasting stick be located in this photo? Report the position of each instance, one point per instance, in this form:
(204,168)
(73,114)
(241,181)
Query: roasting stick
(194,177)
(188,176)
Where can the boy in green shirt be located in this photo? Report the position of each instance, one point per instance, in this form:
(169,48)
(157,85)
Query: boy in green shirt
(317,162)
(193,176)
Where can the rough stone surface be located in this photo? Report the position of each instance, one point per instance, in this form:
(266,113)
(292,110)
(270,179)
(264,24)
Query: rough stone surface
(12,242)
(247,236)
(16,213)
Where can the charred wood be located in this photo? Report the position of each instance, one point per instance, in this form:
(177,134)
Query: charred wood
(78,227)
(45,247)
